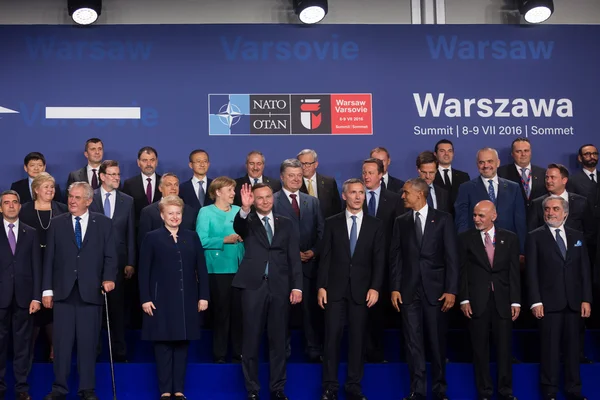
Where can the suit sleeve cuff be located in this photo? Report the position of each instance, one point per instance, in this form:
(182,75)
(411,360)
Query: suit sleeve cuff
(47,293)
(464,302)
(535,305)
(37,301)
(515,305)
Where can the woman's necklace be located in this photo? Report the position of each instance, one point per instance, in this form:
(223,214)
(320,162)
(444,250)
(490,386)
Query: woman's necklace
(40,219)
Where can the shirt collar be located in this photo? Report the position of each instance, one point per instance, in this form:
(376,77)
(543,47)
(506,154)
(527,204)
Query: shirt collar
(588,173)
(358,215)
(314,178)
(287,193)
(423,211)
(153,177)
(528,166)
(195,180)
(491,232)
(269,215)
(441,169)
(377,191)
(485,180)
(83,217)
(16,223)
(103,192)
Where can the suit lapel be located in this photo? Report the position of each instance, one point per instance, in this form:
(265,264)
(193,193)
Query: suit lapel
(277,225)
(498,247)
(320,186)
(90,227)
(382,204)
(262,232)
(429,224)
(502,187)
(285,205)
(479,249)
(554,244)
(98,200)
(118,204)
(5,238)
(20,239)
(570,244)
(483,188)
(303,205)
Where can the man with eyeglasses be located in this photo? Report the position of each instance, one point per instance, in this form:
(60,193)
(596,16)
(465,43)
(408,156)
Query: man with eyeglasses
(255,167)
(194,192)
(320,186)
(427,166)
(585,182)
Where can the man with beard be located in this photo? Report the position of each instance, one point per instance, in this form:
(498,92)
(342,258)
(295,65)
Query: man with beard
(144,186)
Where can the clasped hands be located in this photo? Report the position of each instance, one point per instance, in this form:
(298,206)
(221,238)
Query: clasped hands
(149,306)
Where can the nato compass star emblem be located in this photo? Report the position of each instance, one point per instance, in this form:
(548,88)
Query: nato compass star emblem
(4,110)
(229,114)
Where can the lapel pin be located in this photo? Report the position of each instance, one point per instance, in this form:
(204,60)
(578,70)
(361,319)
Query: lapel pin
(502,242)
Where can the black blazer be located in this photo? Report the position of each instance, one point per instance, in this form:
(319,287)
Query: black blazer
(21,273)
(150,220)
(537,181)
(94,263)
(239,182)
(283,255)
(581,184)
(361,271)
(190,197)
(79,175)
(134,187)
(477,275)
(442,198)
(28,213)
(123,224)
(458,178)
(22,187)
(394,184)
(435,265)
(556,282)
(328,195)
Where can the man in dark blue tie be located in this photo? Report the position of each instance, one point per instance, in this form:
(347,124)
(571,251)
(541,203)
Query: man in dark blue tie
(427,167)
(80,262)
(194,191)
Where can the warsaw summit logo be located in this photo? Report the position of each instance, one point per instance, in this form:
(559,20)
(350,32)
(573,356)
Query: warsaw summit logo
(290,114)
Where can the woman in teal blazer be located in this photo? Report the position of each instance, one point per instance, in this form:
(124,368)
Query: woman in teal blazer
(224,250)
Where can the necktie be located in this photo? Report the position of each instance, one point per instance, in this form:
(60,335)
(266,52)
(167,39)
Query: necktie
(491,191)
(12,240)
(561,244)
(295,205)
(372,206)
(430,198)
(310,189)
(418,228)
(107,205)
(447,182)
(592,178)
(489,248)
(525,181)
(201,192)
(149,190)
(78,235)
(269,237)
(383,183)
(353,235)
(94,179)
(255,181)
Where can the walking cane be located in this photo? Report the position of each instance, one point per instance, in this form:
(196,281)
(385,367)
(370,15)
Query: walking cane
(112,365)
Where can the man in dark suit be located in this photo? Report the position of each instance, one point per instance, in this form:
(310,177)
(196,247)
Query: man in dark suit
(490,296)
(529,177)
(150,218)
(424,271)
(79,263)
(194,192)
(94,152)
(255,166)
(560,291)
(20,292)
(33,164)
(320,186)
(427,167)
(144,187)
(351,273)
(448,177)
(118,206)
(505,195)
(387,181)
(304,212)
(270,277)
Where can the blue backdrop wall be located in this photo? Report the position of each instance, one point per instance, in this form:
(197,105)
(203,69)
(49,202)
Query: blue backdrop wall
(425,82)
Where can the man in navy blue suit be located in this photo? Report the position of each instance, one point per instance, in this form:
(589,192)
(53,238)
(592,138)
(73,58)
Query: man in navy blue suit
(304,212)
(20,291)
(194,192)
(505,195)
(80,262)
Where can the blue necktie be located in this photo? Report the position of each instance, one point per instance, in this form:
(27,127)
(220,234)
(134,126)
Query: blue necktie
(78,236)
(561,244)
(269,237)
(201,193)
(491,191)
(353,235)
(430,198)
(255,181)
(107,205)
(372,206)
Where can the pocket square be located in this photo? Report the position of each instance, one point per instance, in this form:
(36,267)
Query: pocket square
(578,244)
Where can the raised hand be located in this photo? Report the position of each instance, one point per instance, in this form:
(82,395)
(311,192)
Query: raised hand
(247,197)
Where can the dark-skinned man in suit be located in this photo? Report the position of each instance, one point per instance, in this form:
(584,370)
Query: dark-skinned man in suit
(320,186)
(447,176)
(387,181)
(255,167)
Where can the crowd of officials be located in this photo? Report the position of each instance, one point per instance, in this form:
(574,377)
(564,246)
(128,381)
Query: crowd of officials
(518,241)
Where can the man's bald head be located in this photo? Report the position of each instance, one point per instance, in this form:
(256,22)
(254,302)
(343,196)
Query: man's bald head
(484,215)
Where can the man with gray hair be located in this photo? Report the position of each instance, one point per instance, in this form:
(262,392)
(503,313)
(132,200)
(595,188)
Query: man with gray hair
(320,186)
(560,292)
(80,263)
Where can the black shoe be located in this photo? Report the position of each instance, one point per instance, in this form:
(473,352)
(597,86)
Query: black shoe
(120,359)
(165,397)
(440,396)
(236,359)
(253,396)
(550,397)
(515,360)
(329,395)
(585,360)
(180,397)
(575,397)
(315,359)
(220,360)
(88,395)
(414,396)
(355,396)
(21,396)
(507,397)
(55,396)
(278,395)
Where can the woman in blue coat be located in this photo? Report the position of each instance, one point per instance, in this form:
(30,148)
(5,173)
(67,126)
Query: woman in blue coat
(173,291)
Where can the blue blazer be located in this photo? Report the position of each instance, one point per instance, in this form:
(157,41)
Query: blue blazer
(21,273)
(309,225)
(509,206)
(190,197)
(94,263)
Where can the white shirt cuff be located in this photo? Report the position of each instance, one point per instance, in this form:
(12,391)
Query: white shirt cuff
(535,305)
(47,293)
(297,290)
(37,301)
(243,214)
(464,302)
(515,305)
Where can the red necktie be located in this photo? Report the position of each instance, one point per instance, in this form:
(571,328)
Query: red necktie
(295,204)
(149,190)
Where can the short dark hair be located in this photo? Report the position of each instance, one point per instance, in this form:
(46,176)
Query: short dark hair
(376,161)
(517,140)
(34,156)
(260,186)
(585,145)
(147,149)
(93,141)
(564,171)
(352,181)
(107,164)
(443,141)
(9,192)
(194,152)
(419,184)
(426,157)
(380,149)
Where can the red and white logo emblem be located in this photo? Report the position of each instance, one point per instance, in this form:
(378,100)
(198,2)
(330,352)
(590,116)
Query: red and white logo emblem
(310,113)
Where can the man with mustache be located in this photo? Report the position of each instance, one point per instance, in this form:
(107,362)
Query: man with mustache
(144,187)
(255,166)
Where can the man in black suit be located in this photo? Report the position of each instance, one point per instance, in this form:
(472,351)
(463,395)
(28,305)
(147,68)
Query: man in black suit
(424,271)
(270,277)
(560,292)
(448,177)
(427,167)
(255,166)
(20,292)
(94,152)
(490,296)
(144,187)
(118,206)
(529,177)
(150,218)
(194,192)
(320,186)
(351,273)
(387,181)
(79,263)
(33,164)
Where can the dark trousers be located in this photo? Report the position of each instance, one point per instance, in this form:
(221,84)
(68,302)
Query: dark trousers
(556,329)
(416,316)
(260,307)
(336,315)
(116,315)
(75,319)
(501,328)
(312,319)
(22,331)
(376,327)
(171,365)
(226,307)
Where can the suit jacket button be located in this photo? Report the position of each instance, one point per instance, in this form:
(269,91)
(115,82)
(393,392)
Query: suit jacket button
(75,270)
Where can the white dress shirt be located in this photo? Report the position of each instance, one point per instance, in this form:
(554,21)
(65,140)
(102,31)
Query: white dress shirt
(196,183)
(563,235)
(486,184)
(112,199)
(564,195)
(441,171)
(588,173)
(313,184)
(433,196)
(153,182)
(422,216)
(527,174)
(386,179)
(359,217)
(288,193)
(260,180)
(377,194)
(15,229)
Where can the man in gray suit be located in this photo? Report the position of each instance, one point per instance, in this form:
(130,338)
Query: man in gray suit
(94,152)
(305,213)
